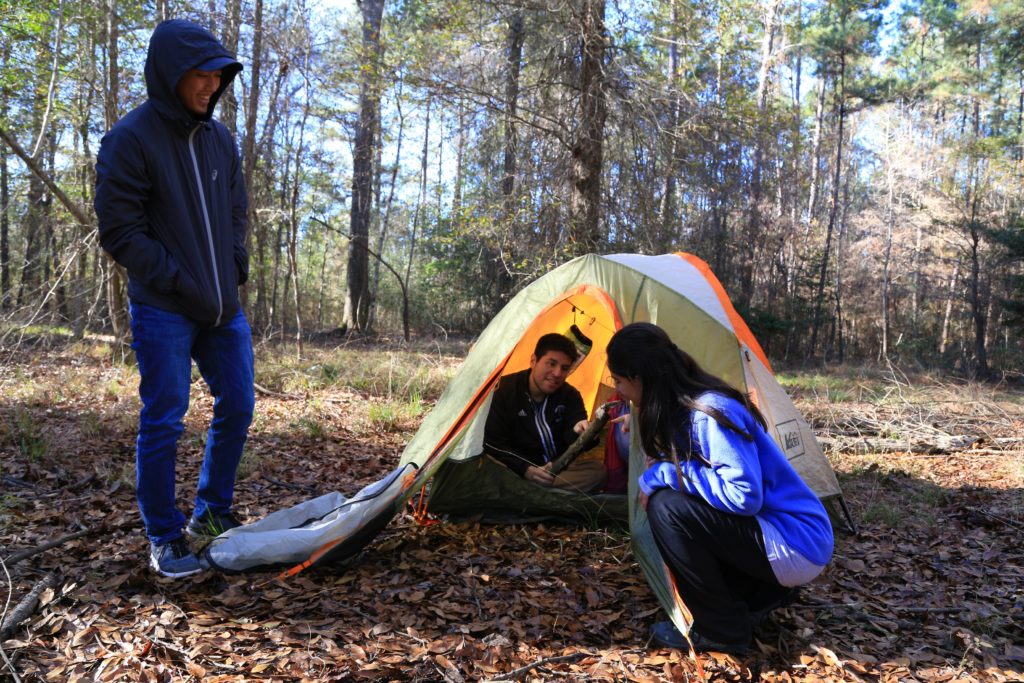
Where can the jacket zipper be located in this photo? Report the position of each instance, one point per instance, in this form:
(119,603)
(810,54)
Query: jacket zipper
(206,221)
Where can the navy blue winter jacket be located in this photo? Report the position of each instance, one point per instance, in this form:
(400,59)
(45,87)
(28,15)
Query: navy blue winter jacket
(170,197)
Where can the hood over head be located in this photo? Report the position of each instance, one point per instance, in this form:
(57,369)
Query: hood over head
(175,47)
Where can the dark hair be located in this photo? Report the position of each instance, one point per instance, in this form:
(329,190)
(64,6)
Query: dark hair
(670,381)
(556,342)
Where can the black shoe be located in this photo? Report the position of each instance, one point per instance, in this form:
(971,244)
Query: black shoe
(665,634)
(174,559)
(759,615)
(211,524)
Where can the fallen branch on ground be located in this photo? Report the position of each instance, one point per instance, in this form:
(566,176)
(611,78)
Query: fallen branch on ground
(997,518)
(864,444)
(14,481)
(19,556)
(24,609)
(270,392)
(516,674)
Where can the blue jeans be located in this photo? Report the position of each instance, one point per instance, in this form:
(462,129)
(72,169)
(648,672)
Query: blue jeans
(165,345)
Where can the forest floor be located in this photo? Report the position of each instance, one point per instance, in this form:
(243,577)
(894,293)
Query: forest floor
(930,589)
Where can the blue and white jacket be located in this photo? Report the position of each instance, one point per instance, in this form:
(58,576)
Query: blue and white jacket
(746,478)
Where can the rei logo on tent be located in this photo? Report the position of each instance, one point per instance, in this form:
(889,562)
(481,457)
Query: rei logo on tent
(789,439)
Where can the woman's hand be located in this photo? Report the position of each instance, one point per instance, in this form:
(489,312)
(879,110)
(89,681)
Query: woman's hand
(580,426)
(623,421)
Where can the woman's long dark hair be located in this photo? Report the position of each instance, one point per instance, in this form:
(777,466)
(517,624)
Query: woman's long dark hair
(671,380)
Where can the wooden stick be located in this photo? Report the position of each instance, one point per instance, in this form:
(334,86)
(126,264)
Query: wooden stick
(27,606)
(14,481)
(19,556)
(271,392)
(997,518)
(580,444)
(516,674)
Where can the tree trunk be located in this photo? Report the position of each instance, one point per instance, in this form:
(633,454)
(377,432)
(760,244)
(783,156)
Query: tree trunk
(916,294)
(819,125)
(750,243)
(978,300)
(85,177)
(117,295)
(495,258)
(249,152)
(420,203)
(34,254)
(834,204)
(460,168)
(385,223)
(5,200)
(357,305)
(947,313)
(667,210)
(588,147)
(293,217)
(263,231)
(228,103)
(513,64)
(978,291)
(883,351)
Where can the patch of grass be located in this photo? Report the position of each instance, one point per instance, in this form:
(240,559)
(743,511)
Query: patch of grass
(813,382)
(48,330)
(394,416)
(251,463)
(883,513)
(309,426)
(127,421)
(398,375)
(115,388)
(112,472)
(28,435)
(90,423)
(928,496)
(20,386)
(898,495)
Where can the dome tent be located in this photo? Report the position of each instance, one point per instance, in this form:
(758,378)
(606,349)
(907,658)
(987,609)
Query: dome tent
(597,295)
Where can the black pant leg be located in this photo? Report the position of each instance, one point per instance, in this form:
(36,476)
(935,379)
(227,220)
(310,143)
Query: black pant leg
(718,561)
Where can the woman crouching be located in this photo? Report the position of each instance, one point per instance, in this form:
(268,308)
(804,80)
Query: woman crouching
(736,525)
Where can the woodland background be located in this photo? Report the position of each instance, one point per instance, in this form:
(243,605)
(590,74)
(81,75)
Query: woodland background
(851,170)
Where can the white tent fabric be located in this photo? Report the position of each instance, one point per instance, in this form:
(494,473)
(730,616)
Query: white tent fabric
(292,536)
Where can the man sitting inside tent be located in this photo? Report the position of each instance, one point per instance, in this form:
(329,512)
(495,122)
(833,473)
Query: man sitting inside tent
(536,415)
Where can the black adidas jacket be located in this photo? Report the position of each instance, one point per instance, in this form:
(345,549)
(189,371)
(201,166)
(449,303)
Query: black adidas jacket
(170,197)
(512,433)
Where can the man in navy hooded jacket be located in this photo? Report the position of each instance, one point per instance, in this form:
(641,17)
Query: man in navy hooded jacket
(171,204)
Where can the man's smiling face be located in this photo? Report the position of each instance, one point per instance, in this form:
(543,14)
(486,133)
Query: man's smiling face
(548,373)
(195,90)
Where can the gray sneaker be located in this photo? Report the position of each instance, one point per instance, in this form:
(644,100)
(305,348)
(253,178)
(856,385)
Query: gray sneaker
(174,559)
